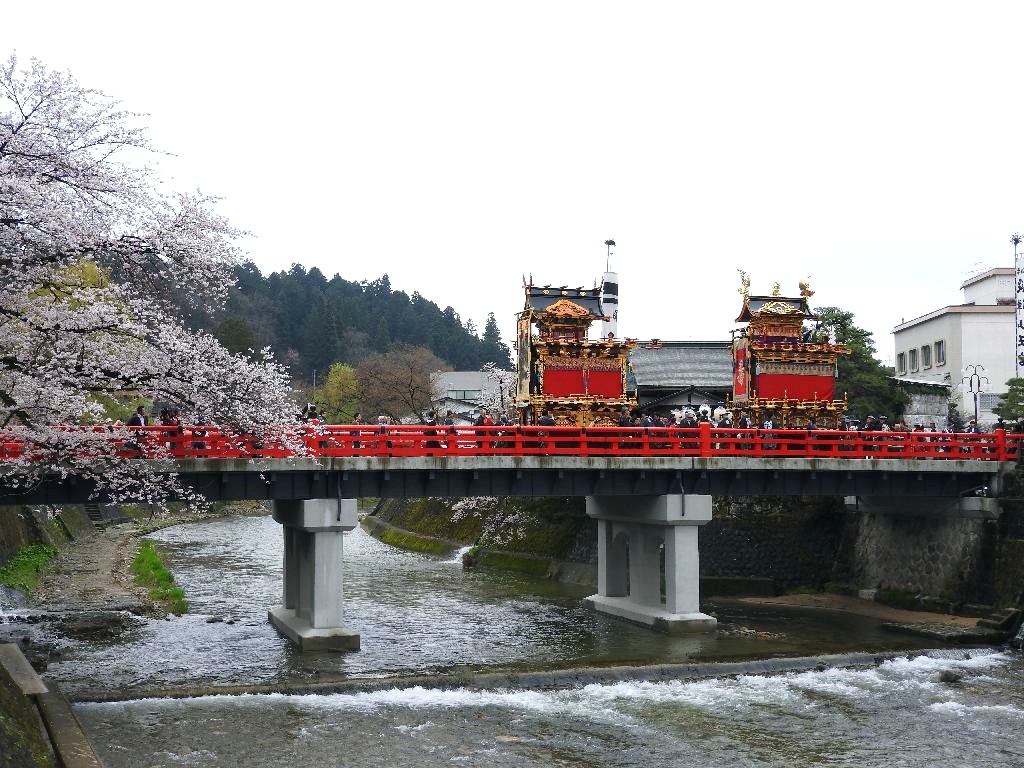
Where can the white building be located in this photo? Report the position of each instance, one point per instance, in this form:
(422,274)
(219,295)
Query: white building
(942,346)
(463,393)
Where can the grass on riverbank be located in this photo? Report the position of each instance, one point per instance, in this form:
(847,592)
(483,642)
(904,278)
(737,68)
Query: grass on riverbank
(22,571)
(151,573)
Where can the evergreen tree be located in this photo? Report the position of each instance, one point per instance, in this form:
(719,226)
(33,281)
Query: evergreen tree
(1011,405)
(867,383)
(493,349)
(311,322)
(236,335)
(381,339)
(321,339)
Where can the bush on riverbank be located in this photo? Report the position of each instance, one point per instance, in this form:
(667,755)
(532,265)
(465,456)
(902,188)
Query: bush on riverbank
(23,570)
(151,573)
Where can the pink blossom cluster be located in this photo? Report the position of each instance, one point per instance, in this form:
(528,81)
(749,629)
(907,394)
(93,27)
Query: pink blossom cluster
(94,259)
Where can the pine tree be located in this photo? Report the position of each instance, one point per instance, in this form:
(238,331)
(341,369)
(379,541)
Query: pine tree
(862,377)
(494,351)
(1011,405)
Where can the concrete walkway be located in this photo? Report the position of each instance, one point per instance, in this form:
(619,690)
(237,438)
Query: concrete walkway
(863,608)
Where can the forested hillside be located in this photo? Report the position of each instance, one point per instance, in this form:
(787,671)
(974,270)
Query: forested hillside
(311,321)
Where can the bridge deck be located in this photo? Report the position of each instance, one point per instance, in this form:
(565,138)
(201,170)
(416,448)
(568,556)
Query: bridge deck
(351,461)
(391,477)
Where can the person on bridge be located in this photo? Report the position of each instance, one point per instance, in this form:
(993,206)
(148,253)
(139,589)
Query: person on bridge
(138,419)
(431,431)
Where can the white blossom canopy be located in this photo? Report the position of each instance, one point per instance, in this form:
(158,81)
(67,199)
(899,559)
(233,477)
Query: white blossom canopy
(93,258)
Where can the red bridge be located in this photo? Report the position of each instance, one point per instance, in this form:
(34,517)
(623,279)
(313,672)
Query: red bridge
(338,441)
(649,491)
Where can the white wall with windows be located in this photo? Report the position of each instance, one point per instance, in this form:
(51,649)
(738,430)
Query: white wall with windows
(992,287)
(940,345)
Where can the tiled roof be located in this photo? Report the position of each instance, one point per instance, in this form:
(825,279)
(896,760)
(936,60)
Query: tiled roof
(462,380)
(680,364)
(541,297)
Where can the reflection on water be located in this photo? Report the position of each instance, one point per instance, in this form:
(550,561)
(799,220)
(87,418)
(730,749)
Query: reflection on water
(896,714)
(415,613)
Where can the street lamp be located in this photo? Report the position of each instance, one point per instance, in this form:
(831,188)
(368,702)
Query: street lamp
(1018,289)
(974,385)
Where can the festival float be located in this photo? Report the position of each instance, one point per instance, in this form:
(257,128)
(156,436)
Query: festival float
(781,370)
(581,382)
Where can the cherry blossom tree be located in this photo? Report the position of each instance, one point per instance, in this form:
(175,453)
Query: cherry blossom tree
(92,252)
(499,398)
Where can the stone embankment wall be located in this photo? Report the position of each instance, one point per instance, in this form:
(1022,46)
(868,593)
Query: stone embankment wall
(22,525)
(943,563)
(939,557)
(23,743)
(789,542)
(794,542)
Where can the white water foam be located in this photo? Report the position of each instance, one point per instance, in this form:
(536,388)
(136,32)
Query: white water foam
(603,702)
(956,708)
(457,557)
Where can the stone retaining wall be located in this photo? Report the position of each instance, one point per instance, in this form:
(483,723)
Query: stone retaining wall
(23,525)
(794,542)
(937,557)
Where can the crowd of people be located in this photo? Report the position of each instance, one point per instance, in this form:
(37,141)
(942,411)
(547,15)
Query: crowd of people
(686,418)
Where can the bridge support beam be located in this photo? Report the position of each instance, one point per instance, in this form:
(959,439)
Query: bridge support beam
(312,616)
(636,535)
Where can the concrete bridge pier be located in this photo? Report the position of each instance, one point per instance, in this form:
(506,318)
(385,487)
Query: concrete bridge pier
(645,542)
(312,616)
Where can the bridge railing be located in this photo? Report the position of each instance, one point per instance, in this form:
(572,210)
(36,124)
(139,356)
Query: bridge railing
(205,441)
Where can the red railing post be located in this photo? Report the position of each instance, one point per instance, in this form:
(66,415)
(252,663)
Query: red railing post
(1000,444)
(704,436)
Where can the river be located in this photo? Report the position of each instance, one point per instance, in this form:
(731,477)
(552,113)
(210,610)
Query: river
(420,614)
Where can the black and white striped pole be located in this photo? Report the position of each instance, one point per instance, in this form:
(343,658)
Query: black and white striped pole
(610,295)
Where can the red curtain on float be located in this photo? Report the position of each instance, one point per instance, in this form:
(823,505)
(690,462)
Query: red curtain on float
(563,382)
(605,383)
(771,386)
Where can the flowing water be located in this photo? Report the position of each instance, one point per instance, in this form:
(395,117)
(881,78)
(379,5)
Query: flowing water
(422,614)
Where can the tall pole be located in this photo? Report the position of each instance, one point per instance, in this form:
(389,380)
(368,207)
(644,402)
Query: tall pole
(610,296)
(1018,283)
(974,386)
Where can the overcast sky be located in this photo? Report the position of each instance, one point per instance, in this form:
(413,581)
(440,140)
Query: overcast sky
(457,146)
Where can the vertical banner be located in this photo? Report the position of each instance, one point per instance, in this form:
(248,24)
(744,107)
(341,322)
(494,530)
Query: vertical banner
(740,372)
(1018,283)
(525,359)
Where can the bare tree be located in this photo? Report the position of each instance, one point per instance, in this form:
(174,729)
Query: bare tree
(400,382)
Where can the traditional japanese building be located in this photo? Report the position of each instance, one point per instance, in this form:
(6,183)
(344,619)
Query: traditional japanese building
(581,381)
(782,370)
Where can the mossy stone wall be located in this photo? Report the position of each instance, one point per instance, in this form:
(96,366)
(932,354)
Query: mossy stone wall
(22,741)
(23,525)
(795,542)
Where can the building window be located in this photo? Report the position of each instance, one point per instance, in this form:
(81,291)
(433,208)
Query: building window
(988,400)
(913,360)
(464,394)
(926,356)
(940,353)
(901,363)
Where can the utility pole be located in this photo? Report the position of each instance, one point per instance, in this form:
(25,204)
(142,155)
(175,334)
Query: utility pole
(974,384)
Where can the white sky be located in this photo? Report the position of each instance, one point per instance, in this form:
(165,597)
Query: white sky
(456,146)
